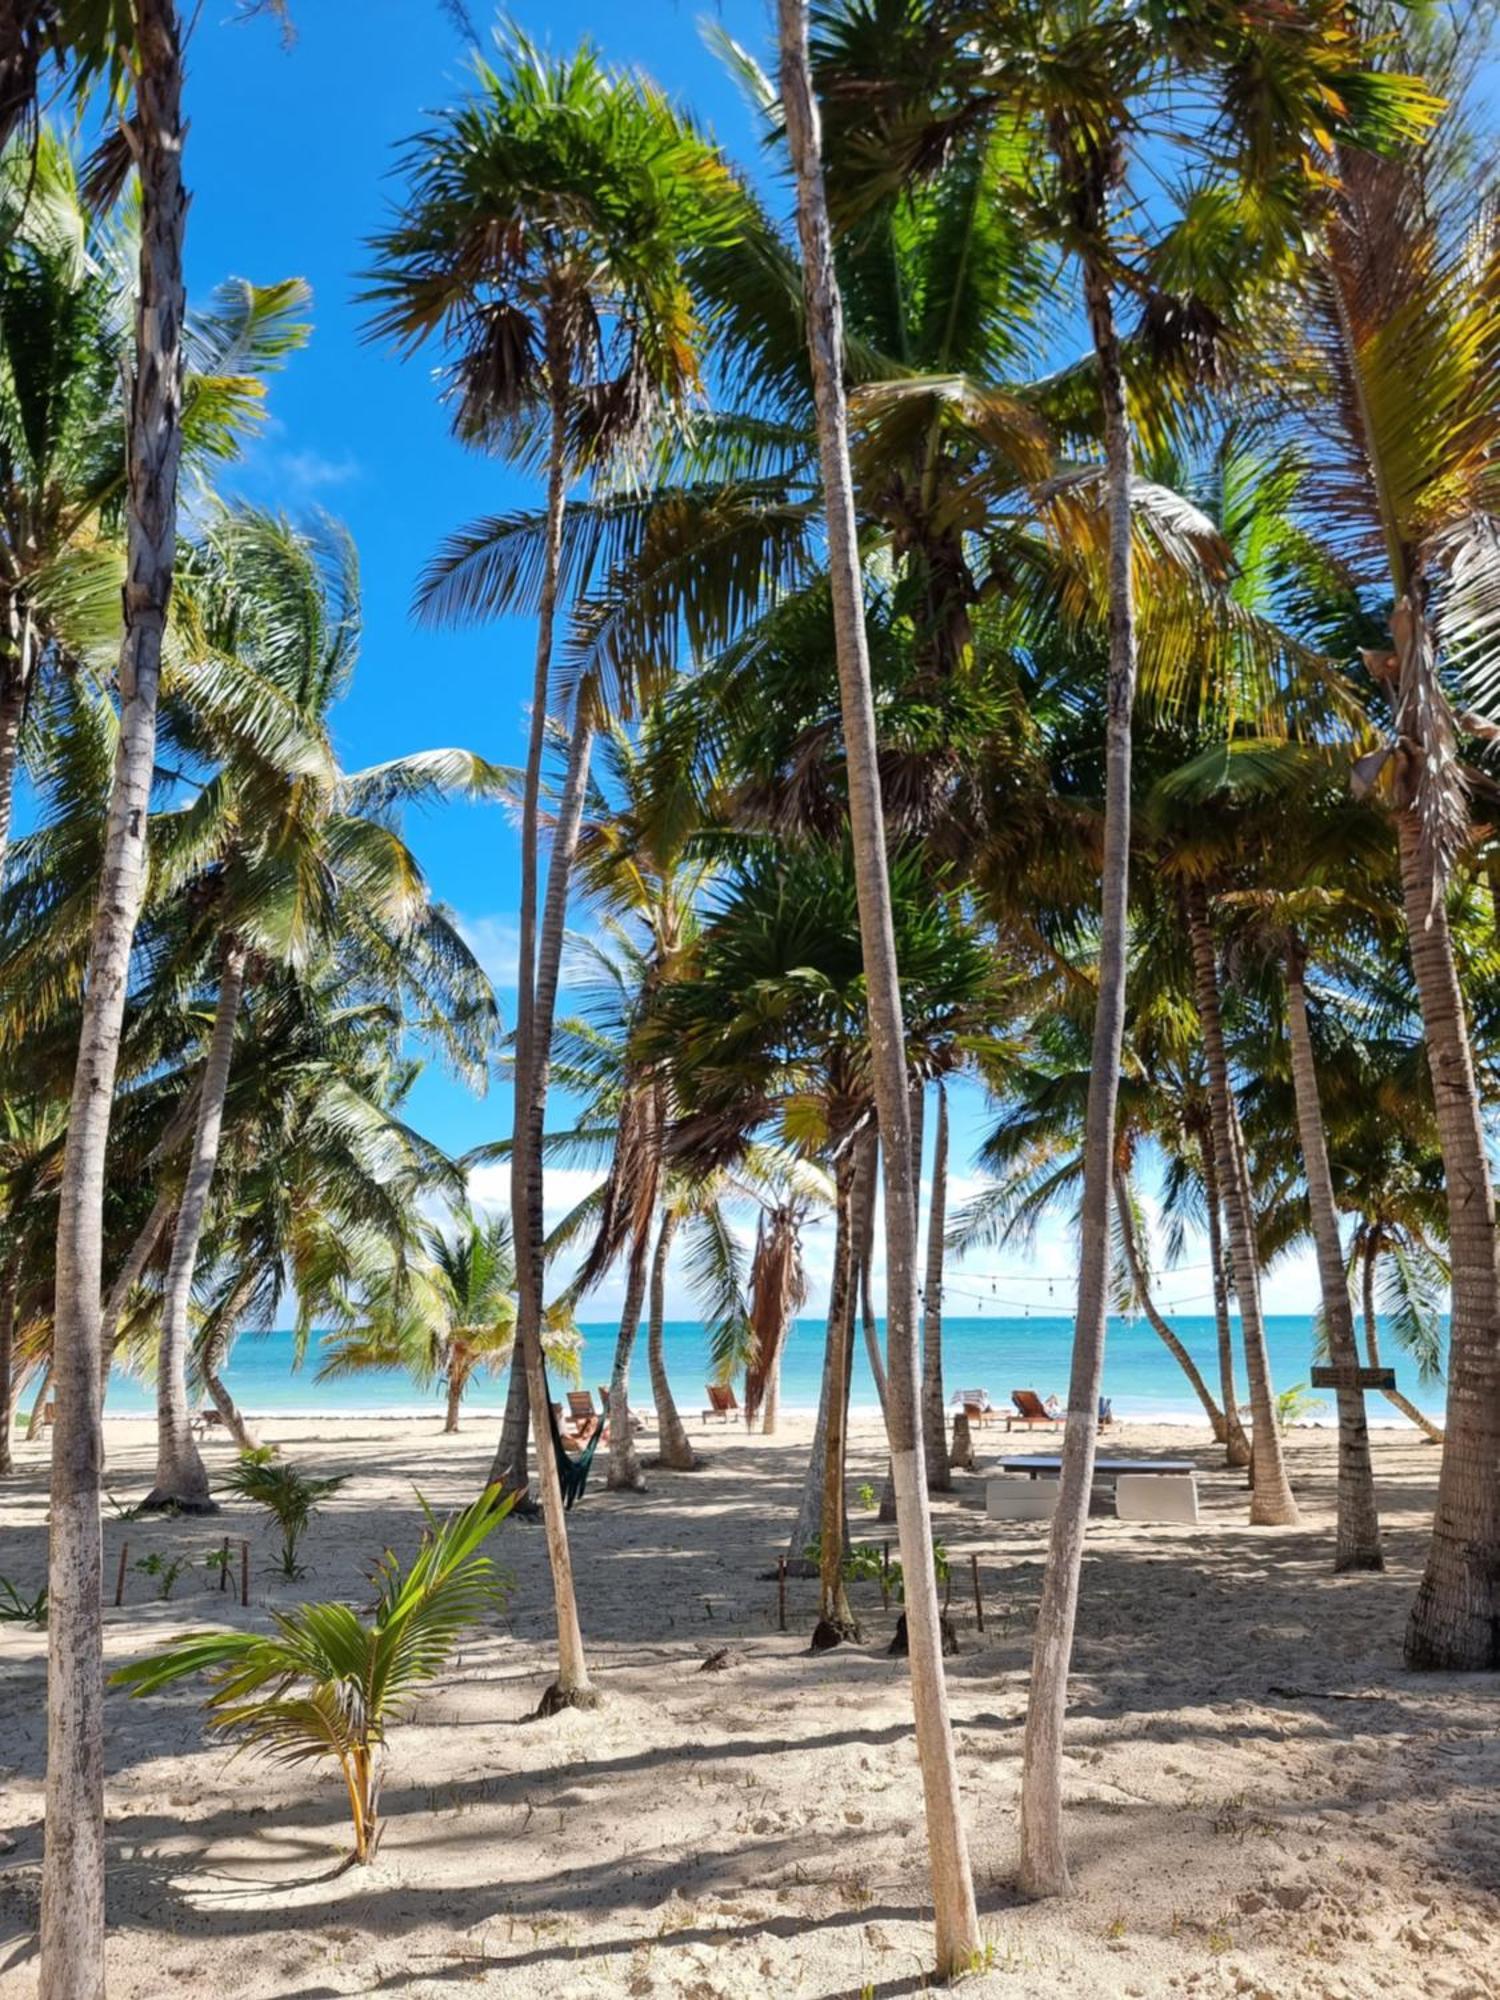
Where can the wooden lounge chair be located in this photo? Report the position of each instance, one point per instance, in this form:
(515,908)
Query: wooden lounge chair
(575,1429)
(722,1403)
(977,1407)
(207,1419)
(1030,1411)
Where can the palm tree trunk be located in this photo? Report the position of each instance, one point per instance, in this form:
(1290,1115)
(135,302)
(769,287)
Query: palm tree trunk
(956,1919)
(234,1420)
(1236,1444)
(126,1279)
(509,1468)
(836,1621)
(572,1688)
(181,1478)
(1455,1622)
(806,1527)
(1407,1408)
(1357,1535)
(1271,1501)
(1142,1283)
(934,1428)
(624,1465)
(8,1371)
(770,1402)
(674,1447)
(1044,1861)
(13,692)
(457,1379)
(72,1915)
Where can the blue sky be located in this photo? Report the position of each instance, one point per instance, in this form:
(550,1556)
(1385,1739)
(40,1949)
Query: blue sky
(288,162)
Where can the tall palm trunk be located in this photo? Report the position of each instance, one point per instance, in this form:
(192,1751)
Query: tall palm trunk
(181,1479)
(72,1917)
(1271,1501)
(624,1464)
(674,1447)
(8,1373)
(1455,1622)
(1142,1283)
(1357,1535)
(1044,1861)
(956,1919)
(1407,1408)
(457,1382)
(934,1428)
(1236,1444)
(836,1621)
(572,1688)
(806,1526)
(210,1361)
(127,1278)
(509,1468)
(14,685)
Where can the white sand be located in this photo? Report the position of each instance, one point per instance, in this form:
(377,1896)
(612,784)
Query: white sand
(757,1831)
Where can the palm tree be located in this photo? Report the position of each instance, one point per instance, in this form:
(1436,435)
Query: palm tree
(957,1922)
(72,1918)
(543,234)
(1085,80)
(442,1315)
(1396,343)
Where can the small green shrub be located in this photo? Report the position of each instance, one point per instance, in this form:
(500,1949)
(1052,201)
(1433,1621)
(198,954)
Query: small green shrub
(18,1610)
(161,1571)
(290,1496)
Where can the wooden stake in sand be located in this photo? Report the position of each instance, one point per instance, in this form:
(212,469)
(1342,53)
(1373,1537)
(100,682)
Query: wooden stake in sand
(781,1592)
(244,1572)
(224,1567)
(978,1600)
(120,1575)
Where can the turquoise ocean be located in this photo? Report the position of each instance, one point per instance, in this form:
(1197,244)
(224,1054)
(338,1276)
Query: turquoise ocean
(992,1353)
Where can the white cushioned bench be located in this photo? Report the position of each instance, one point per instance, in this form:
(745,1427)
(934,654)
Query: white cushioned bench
(1011,1499)
(1141,1496)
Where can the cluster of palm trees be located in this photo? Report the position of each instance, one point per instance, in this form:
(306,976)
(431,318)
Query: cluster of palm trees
(902,704)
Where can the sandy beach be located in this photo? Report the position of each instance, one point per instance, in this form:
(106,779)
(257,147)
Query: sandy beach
(1261,1801)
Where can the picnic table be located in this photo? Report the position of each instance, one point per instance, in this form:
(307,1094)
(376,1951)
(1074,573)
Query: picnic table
(1038,1463)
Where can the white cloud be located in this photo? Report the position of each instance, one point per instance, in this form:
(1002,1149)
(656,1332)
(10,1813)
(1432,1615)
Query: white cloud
(496,943)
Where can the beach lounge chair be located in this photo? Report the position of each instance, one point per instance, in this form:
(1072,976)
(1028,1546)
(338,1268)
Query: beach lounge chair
(574,1429)
(977,1407)
(207,1419)
(721,1402)
(1030,1411)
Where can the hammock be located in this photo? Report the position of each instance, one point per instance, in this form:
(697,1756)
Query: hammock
(572,1472)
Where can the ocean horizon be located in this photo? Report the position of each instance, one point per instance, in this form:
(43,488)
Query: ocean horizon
(998,1354)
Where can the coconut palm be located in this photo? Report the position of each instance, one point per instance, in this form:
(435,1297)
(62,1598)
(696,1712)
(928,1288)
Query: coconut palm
(543,236)
(1395,349)
(328,1683)
(442,1315)
(1084,81)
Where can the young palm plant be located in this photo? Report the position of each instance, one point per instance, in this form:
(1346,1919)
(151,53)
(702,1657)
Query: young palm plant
(290,1496)
(328,1684)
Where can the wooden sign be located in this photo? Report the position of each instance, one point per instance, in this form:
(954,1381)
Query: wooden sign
(1330,1376)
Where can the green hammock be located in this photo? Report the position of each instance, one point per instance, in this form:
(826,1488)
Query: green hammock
(572,1472)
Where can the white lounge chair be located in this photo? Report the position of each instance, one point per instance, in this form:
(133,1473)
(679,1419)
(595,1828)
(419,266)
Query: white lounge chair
(1156,1496)
(1010,1499)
